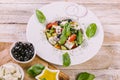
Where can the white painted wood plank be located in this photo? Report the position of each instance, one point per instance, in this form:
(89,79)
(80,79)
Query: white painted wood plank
(29,1)
(100,74)
(49,1)
(8,31)
(12,32)
(96,1)
(20,13)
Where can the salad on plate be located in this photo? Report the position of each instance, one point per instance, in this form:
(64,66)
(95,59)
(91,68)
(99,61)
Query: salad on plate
(64,34)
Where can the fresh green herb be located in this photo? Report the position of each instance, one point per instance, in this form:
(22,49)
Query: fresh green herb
(85,76)
(91,30)
(35,70)
(79,37)
(65,29)
(44,79)
(66,59)
(64,36)
(40,16)
(68,32)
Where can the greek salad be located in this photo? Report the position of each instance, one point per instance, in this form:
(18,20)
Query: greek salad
(64,34)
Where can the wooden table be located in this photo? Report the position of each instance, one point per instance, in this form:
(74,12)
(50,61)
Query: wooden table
(14,15)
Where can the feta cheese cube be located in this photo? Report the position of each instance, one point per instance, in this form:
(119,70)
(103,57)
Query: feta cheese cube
(58,30)
(69,44)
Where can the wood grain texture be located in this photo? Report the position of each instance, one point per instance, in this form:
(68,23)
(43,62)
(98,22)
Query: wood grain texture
(16,32)
(14,15)
(6,58)
(49,1)
(100,74)
(20,13)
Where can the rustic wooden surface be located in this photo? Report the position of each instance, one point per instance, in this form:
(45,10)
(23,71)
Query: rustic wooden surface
(14,15)
(6,58)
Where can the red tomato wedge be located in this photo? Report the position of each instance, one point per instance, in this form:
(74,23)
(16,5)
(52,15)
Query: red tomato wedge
(49,25)
(72,37)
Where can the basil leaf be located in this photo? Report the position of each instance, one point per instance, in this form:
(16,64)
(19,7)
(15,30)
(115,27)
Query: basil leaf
(79,37)
(66,59)
(68,32)
(35,70)
(64,36)
(40,16)
(85,76)
(91,30)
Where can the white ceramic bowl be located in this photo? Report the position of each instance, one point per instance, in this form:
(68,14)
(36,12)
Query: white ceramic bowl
(22,61)
(20,69)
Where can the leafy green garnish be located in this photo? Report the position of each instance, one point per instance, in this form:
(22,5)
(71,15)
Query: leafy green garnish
(40,16)
(68,32)
(66,59)
(91,30)
(79,37)
(62,40)
(35,70)
(85,76)
(64,35)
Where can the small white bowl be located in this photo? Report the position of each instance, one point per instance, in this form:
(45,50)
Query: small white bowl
(18,60)
(20,69)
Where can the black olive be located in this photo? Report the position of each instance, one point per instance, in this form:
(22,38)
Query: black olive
(58,36)
(69,20)
(23,51)
(26,59)
(58,22)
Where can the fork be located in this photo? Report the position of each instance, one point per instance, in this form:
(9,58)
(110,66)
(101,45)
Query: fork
(84,44)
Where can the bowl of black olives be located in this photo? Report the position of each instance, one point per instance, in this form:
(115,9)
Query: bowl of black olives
(22,52)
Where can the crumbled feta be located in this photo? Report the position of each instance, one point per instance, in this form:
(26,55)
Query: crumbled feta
(10,72)
(64,22)
(1,71)
(77,27)
(9,69)
(58,30)
(69,44)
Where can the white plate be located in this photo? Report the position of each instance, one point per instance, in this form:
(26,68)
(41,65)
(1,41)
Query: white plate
(35,33)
